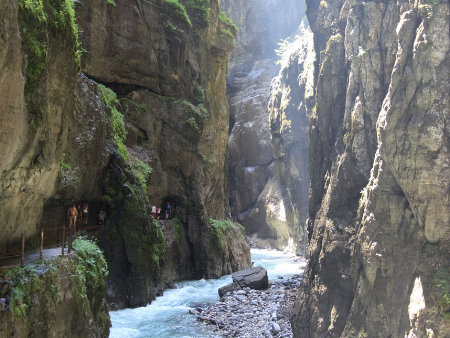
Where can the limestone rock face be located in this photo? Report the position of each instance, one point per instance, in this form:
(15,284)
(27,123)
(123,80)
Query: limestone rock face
(258,196)
(378,259)
(178,263)
(290,105)
(63,140)
(66,124)
(170,78)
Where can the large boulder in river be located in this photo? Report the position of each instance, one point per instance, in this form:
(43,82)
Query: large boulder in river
(253,278)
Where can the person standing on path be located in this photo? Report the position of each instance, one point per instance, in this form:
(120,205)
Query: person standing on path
(169,208)
(72,214)
(158,212)
(85,213)
(154,211)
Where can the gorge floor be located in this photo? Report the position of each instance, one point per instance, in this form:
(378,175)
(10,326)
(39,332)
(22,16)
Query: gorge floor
(253,313)
(168,315)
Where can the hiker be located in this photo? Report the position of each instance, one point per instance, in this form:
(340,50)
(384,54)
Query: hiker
(169,208)
(101,217)
(85,213)
(79,220)
(158,212)
(154,211)
(72,214)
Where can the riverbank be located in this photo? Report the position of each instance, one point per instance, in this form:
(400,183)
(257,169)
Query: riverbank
(168,316)
(252,313)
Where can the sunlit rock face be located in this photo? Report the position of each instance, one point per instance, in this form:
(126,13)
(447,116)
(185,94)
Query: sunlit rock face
(290,105)
(258,195)
(379,170)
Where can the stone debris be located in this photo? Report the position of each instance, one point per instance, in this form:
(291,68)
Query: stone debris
(252,313)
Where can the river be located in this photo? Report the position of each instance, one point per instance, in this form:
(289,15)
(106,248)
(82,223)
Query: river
(167,316)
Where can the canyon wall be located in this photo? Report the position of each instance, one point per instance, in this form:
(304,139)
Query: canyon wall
(379,169)
(259,196)
(121,105)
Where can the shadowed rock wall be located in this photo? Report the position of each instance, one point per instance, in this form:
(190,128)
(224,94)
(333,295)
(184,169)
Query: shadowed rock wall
(379,150)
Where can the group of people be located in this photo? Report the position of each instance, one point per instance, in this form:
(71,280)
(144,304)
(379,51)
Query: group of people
(83,210)
(156,211)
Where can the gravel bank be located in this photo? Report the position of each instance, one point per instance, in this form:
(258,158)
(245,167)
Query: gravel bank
(252,313)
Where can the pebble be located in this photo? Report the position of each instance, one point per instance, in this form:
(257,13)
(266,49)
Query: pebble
(252,313)
(275,328)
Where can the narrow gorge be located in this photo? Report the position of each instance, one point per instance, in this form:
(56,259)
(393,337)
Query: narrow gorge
(186,132)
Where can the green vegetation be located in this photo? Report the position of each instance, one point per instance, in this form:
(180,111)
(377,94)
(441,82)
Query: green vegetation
(171,28)
(26,283)
(109,97)
(231,28)
(199,95)
(64,163)
(196,116)
(206,160)
(111,2)
(40,22)
(193,124)
(177,225)
(163,98)
(158,249)
(136,106)
(220,227)
(145,240)
(198,11)
(66,173)
(38,284)
(176,10)
(142,170)
(442,289)
(91,268)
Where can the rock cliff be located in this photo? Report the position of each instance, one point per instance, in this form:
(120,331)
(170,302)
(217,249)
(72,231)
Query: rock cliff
(259,196)
(121,105)
(379,170)
(290,105)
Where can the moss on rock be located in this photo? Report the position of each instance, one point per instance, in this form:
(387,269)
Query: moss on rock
(62,296)
(40,20)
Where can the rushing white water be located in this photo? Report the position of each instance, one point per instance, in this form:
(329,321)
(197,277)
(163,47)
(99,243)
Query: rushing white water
(168,315)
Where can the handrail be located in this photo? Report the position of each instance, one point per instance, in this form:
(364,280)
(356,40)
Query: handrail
(55,242)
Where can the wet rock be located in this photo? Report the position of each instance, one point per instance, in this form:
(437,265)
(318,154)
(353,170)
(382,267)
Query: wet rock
(275,329)
(3,306)
(228,288)
(253,313)
(254,278)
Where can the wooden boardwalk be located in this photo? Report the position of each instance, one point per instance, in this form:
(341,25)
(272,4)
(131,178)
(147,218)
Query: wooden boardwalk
(52,250)
(31,257)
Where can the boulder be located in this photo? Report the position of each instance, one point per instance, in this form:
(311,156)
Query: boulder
(254,278)
(228,288)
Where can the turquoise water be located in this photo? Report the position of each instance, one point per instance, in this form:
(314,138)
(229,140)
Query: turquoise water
(168,315)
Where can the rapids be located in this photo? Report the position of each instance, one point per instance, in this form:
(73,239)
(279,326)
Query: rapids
(168,315)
